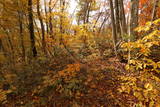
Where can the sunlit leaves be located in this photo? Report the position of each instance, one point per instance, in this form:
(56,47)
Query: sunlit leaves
(143,87)
(143,47)
(145,28)
(156,22)
(71,70)
(3,95)
(141,61)
(148,86)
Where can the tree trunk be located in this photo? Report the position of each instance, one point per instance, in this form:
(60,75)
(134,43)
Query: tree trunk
(50,19)
(122,17)
(134,17)
(31,28)
(46,15)
(114,34)
(117,18)
(0,44)
(88,12)
(21,34)
(42,26)
(154,11)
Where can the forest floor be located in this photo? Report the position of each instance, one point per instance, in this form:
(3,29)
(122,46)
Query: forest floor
(57,84)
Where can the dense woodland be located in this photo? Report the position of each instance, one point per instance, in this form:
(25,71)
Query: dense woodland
(79,53)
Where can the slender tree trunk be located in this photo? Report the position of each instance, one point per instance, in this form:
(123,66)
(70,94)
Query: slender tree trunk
(46,14)
(12,52)
(97,20)
(154,11)
(88,12)
(21,34)
(101,26)
(39,42)
(1,47)
(31,28)
(117,18)
(133,23)
(42,26)
(114,33)
(50,19)
(85,14)
(122,17)
(134,17)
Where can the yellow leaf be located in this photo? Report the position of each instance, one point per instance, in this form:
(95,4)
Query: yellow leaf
(148,86)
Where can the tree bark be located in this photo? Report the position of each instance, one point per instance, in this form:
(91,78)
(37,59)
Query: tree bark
(42,26)
(46,15)
(21,34)
(117,18)
(31,28)
(88,12)
(134,17)
(154,11)
(114,34)
(50,19)
(122,17)
(1,47)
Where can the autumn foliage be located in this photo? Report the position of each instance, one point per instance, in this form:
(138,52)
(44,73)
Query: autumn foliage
(101,54)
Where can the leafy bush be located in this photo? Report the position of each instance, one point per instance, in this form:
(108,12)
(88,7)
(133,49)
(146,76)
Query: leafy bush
(144,85)
(143,49)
